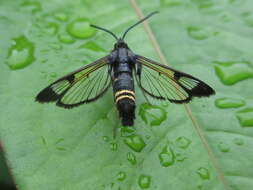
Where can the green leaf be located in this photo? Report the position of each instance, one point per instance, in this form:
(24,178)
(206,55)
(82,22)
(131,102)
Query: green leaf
(203,146)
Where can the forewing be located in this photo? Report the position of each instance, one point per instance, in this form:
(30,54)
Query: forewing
(162,82)
(81,86)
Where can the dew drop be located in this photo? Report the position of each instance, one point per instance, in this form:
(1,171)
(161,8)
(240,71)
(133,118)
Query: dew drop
(245,117)
(135,142)
(223,147)
(238,141)
(113,146)
(61,16)
(121,176)
(183,142)
(55,46)
(248,18)
(203,4)
(31,6)
(152,114)
(144,181)
(167,157)
(229,103)
(106,138)
(197,33)
(126,131)
(80,28)
(180,157)
(51,28)
(65,38)
(203,173)
(53,75)
(92,46)
(131,158)
(20,54)
(170,3)
(233,72)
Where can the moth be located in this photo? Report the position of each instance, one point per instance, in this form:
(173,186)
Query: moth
(117,69)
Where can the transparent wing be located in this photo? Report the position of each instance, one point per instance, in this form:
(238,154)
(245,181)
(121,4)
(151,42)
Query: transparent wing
(164,83)
(84,85)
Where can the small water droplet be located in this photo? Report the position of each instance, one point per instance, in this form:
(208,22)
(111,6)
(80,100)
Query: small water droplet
(114,146)
(167,157)
(233,72)
(20,54)
(92,46)
(248,18)
(59,140)
(135,142)
(203,4)
(80,28)
(65,38)
(43,140)
(106,138)
(144,181)
(61,148)
(197,33)
(121,176)
(53,75)
(51,28)
(126,131)
(204,173)
(183,142)
(170,3)
(180,157)
(152,114)
(223,147)
(131,158)
(245,117)
(229,103)
(55,46)
(61,16)
(238,141)
(31,6)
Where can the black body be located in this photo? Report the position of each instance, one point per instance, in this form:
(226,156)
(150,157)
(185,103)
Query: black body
(118,69)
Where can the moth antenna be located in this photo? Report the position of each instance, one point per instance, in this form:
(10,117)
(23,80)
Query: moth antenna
(140,21)
(108,31)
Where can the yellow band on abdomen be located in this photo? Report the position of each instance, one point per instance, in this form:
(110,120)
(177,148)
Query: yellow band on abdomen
(123,91)
(124,96)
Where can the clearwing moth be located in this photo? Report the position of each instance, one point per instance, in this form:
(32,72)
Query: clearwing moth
(155,80)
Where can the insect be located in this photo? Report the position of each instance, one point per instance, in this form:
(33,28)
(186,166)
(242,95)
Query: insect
(155,80)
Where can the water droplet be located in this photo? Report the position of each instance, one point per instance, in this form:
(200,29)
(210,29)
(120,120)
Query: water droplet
(203,4)
(144,181)
(93,46)
(31,6)
(65,38)
(203,173)
(53,75)
(20,54)
(106,138)
(197,33)
(180,157)
(238,141)
(170,3)
(61,16)
(152,114)
(121,176)
(55,46)
(233,72)
(131,158)
(126,131)
(167,157)
(183,142)
(61,148)
(135,142)
(51,28)
(114,146)
(229,103)
(245,117)
(43,140)
(223,147)
(80,28)
(248,18)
